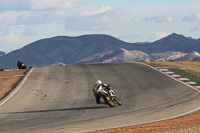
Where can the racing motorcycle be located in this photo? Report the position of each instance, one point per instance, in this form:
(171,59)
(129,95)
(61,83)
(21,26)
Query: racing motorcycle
(108,96)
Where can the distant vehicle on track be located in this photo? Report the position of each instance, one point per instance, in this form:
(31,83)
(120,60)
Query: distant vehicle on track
(21,65)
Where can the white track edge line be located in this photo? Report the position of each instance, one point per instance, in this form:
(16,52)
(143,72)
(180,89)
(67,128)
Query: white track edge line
(11,76)
(16,89)
(171,77)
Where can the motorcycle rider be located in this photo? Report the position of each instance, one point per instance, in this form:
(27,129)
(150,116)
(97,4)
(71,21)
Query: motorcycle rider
(99,85)
(21,65)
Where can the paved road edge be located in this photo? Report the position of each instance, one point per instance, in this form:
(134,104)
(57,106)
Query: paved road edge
(2,102)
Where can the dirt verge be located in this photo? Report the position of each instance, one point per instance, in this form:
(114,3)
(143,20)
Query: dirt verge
(9,80)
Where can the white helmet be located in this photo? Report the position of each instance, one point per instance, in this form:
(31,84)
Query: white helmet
(98,82)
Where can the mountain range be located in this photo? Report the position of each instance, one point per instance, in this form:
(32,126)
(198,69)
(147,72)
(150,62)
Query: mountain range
(124,55)
(101,48)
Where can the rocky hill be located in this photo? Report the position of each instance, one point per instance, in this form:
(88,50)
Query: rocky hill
(123,55)
(193,56)
(166,56)
(98,48)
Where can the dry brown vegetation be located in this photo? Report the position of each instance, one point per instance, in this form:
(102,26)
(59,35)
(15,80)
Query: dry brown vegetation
(187,124)
(193,67)
(9,80)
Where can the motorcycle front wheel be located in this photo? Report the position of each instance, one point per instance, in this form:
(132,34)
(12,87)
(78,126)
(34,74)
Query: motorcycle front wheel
(119,102)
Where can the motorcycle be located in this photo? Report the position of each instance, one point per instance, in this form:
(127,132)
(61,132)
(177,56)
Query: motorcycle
(108,96)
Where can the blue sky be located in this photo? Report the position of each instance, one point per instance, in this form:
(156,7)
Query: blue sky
(26,21)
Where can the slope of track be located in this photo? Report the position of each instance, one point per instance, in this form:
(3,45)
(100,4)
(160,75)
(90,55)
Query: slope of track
(60,99)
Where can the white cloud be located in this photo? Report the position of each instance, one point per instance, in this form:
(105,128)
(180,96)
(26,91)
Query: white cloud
(25,5)
(179,6)
(158,35)
(52,4)
(10,39)
(100,19)
(15,5)
(35,18)
(192,17)
(7,19)
(196,28)
(159,19)
(10,42)
(29,32)
(129,36)
(100,10)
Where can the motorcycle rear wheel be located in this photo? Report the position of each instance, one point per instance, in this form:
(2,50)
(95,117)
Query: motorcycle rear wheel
(109,102)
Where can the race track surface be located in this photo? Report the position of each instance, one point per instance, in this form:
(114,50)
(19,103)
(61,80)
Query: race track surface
(60,99)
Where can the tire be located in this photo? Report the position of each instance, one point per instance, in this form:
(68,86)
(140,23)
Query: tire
(109,102)
(98,99)
(119,102)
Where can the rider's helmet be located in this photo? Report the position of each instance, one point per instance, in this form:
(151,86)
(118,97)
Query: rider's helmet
(98,82)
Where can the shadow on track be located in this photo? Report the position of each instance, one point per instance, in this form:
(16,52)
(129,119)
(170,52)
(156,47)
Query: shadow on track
(57,110)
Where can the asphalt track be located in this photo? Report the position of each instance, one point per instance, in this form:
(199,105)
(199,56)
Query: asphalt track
(60,99)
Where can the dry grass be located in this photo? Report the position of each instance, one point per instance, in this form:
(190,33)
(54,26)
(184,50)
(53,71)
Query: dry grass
(9,80)
(193,67)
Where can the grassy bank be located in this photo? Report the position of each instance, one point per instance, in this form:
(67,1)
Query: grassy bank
(191,76)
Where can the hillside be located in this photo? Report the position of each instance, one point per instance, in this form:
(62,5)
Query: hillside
(2,53)
(123,55)
(63,49)
(95,48)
